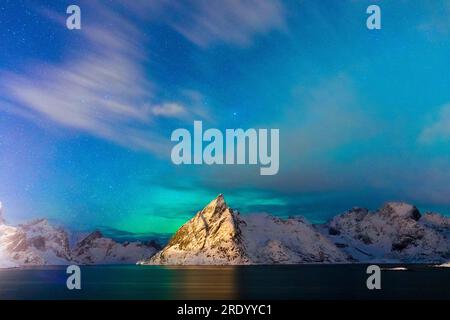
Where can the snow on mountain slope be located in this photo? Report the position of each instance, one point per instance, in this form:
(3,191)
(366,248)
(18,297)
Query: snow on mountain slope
(395,233)
(210,237)
(36,243)
(6,237)
(96,249)
(14,250)
(39,243)
(219,235)
(435,220)
(269,240)
(50,242)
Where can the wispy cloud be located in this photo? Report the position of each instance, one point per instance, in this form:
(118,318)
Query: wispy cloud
(232,21)
(439,129)
(209,22)
(331,115)
(104,90)
(435,23)
(326,115)
(169,110)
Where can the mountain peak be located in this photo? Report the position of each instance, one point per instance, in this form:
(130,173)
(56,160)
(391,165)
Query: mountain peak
(219,201)
(212,236)
(91,237)
(400,209)
(215,207)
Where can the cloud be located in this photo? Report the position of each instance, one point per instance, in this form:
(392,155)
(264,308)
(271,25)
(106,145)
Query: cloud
(331,114)
(439,130)
(209,22)
(168,110)
(435,23)
(413,180)
(103,91)
(326,116)
(233,21)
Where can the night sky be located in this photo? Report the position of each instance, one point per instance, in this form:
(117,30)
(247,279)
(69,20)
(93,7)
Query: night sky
(86,115)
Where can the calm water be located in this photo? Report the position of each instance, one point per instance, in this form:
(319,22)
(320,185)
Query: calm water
(249,282)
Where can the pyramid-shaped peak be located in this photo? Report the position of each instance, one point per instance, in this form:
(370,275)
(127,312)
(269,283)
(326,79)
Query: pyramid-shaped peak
(216,206)
(211,236)
(218,201)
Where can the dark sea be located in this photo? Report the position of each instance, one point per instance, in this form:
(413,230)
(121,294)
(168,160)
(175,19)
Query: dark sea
(237,282)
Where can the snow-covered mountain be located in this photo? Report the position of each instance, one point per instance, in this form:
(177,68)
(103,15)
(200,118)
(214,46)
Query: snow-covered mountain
(96,249)
(271,240)
(39,243)
(212,236)
(35,243)
(395,233)
(219,235)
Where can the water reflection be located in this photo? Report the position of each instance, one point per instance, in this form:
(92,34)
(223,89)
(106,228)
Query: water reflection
(225,282)
(197,282)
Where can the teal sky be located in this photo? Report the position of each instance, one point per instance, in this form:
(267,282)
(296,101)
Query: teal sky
(86,115)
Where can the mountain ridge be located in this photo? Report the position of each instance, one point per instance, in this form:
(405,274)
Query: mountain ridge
(219,235)
(396,233)
(39,243)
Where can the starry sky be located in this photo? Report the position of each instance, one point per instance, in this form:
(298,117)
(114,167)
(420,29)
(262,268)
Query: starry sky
(86,115)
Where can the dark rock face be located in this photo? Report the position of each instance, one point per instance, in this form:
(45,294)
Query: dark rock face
(38,243)
(153,243)
(91,237)
(398,209)
(403,243)
(333,231)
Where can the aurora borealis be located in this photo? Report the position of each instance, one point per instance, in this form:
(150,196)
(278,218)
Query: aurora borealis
(86,115)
